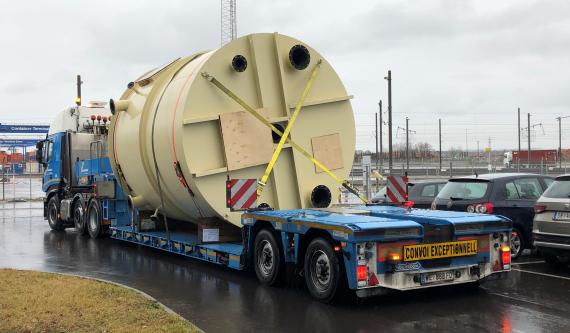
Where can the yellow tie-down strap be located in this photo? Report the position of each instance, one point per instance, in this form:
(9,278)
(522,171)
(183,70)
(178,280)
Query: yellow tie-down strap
(285,136)
(344,183)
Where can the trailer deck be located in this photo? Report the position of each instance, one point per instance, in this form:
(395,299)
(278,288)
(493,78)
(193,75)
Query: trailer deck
(184,243)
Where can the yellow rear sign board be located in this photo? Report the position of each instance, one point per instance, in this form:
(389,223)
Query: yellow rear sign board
(440,250)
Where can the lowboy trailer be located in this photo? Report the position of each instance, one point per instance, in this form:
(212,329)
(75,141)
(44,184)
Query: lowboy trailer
(368,249)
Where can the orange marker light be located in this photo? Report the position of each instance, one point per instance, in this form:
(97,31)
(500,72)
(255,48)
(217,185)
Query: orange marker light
(336,248)
(394,257)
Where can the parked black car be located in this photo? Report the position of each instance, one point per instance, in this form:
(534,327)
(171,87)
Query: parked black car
(422,193)
(509,194)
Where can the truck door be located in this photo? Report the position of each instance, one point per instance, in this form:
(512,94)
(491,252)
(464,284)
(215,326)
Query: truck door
(52,159)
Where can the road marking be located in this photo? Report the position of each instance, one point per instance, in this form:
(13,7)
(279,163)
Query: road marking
(516,299)
(538,273)
(528,262)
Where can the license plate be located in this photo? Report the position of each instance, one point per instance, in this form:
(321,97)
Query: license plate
(440,250)
(561,216)
(437,277)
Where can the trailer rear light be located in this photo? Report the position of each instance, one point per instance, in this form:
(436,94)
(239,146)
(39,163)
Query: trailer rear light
(408,204)
(539,209)
(506,256)
(361,273)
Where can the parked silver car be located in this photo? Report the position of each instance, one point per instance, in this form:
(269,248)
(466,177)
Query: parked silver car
(551,228)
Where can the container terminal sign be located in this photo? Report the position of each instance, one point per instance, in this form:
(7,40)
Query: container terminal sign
(24,128)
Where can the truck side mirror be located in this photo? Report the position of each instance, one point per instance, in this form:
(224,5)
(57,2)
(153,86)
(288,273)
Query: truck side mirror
(40,152)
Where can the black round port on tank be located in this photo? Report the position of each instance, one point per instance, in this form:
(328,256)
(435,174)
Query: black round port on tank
(239,63)
(321,196)
(276,137)
(112,106)
(299,57)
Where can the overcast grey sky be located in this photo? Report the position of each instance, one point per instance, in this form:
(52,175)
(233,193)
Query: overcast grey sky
(470,63)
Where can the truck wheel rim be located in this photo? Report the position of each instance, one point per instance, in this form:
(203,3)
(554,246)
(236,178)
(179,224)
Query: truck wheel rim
(93,220)
(265,258)
(78,217)
(515,243)
(320,270)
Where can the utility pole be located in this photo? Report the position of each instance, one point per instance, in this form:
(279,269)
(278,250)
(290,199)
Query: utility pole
(381,123)
(478,151)
(560,140)
(528,132)
(519,130)
(389,78)
(407,146)
(78,98)
(466,146)
(490,167)
(440,144)
(376,136)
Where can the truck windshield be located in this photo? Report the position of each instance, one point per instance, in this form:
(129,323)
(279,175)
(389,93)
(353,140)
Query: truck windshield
(468,190)
(558,189)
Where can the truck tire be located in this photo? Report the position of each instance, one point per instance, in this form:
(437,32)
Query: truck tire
(53,214)
(518,242)
(94,219)
(322,270)
(79,217)
(268,260)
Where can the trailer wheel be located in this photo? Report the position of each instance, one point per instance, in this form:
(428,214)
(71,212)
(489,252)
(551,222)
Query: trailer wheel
(79,217)
(267,258)
(322,270)
(53,214)
(94,219)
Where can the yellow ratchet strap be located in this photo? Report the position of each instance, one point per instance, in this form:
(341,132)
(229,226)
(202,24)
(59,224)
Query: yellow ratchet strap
(285,136)
(344,183)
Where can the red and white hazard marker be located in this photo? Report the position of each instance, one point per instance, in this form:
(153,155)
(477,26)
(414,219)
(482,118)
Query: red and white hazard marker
(241,194)
(396,189)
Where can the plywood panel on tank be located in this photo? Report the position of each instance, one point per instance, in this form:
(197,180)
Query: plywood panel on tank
(247,141)
(327,150)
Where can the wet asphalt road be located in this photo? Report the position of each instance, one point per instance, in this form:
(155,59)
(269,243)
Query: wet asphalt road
(534,298)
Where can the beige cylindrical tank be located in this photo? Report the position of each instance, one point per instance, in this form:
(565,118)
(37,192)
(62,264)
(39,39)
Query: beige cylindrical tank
(175,124)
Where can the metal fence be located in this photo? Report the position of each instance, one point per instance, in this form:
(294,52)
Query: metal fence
(20,188)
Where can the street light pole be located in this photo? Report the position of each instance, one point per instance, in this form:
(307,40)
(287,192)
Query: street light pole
(519,132)
(407,146)
(528,132)
(439,144)
(389,78)
(380,124)
(560,140)
(376,136)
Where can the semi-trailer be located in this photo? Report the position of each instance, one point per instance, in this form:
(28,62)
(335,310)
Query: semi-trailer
(234,157)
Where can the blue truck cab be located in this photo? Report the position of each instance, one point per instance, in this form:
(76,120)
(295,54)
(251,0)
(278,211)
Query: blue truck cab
(368,249)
